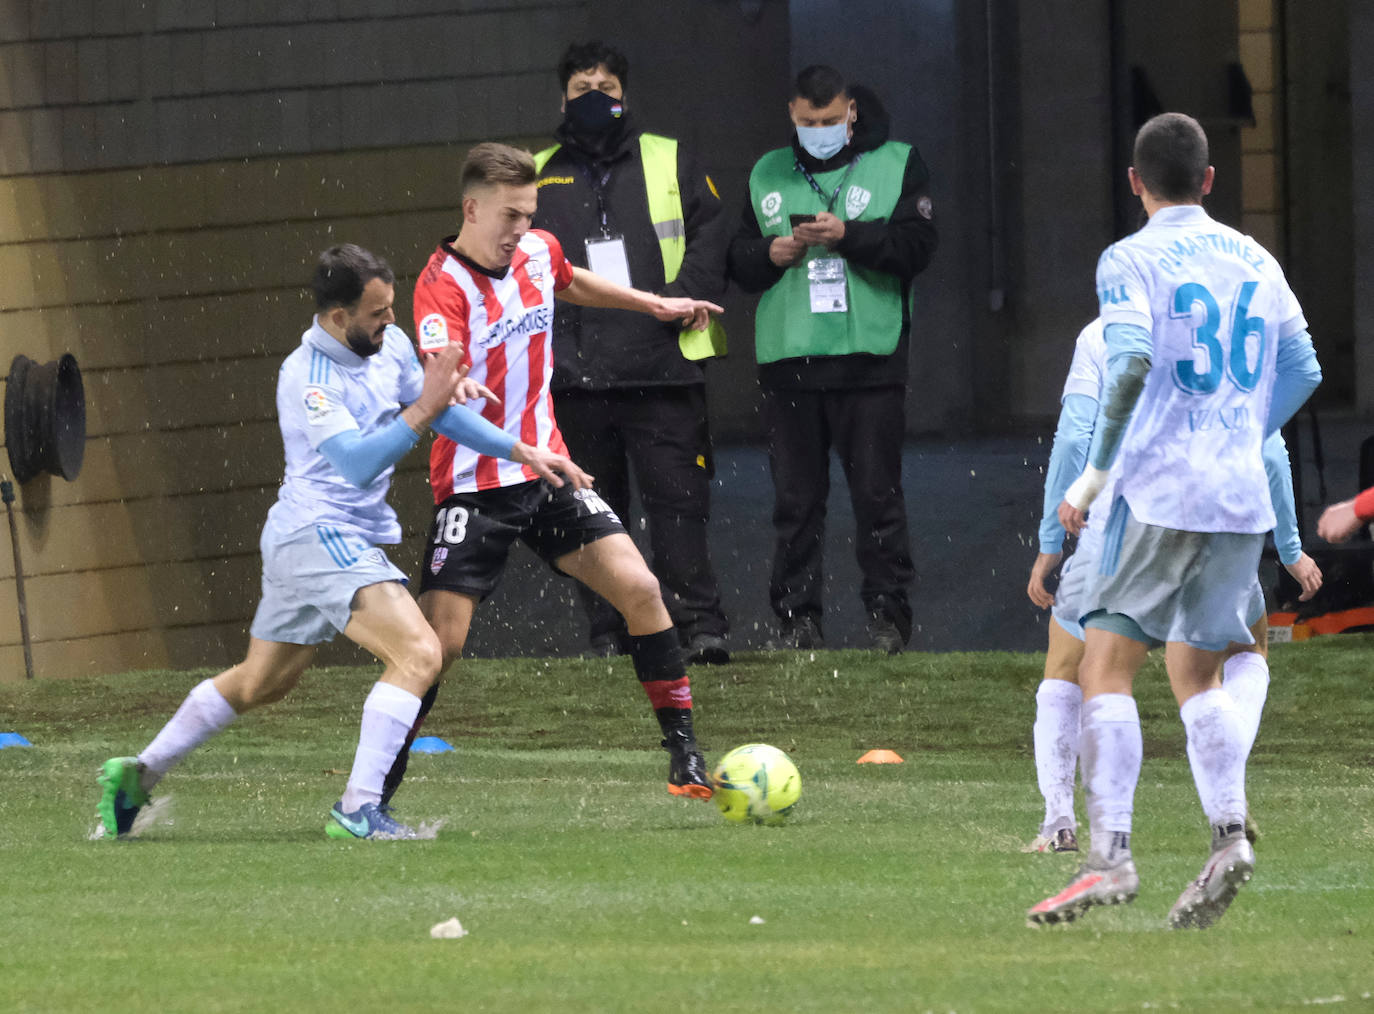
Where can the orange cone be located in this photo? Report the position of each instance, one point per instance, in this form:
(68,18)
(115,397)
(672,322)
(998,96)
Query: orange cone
(881,757)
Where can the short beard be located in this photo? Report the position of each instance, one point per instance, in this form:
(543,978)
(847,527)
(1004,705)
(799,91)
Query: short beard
(360,341)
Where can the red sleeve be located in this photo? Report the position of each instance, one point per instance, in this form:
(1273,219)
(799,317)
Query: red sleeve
(441,308)
(562,269)
(1364,505)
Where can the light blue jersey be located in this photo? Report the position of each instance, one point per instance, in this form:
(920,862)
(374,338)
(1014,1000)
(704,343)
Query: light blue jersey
(323,389)
(1217,311)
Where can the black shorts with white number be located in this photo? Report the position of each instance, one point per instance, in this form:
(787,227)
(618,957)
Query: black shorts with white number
(472,532)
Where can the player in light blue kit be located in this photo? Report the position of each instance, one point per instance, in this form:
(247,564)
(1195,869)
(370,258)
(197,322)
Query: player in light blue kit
(1058,700)
(351,400)
(1208,352)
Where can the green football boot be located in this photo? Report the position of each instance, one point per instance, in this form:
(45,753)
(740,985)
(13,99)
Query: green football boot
(121,796)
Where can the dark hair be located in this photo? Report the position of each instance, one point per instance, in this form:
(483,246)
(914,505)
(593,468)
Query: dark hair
(819,85)
(343,272)
(587,56)
(492,164)
(1170,157)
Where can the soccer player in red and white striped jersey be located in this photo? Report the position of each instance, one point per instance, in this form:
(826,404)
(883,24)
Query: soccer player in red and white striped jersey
(491,288)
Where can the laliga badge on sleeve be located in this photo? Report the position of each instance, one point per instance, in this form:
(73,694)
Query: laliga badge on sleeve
(433,332)
(826,275)
(606,257)
(318,406)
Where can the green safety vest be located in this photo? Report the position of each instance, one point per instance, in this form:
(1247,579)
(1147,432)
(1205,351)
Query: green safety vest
(785,327)
(659,158)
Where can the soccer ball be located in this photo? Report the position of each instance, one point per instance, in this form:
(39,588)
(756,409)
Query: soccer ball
(756,782)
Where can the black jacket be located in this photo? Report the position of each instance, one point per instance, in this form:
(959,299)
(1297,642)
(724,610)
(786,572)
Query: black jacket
(901,246)
(598,349)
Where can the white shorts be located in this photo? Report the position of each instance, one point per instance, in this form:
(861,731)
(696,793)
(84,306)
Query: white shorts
(1197,588)
(309,578)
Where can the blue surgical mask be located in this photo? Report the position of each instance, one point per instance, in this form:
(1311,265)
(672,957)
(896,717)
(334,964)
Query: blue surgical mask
(824,142)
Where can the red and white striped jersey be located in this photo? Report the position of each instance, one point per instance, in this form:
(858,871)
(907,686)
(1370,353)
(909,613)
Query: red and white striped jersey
(505,326)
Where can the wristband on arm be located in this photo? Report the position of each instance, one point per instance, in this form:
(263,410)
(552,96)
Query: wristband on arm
(1364,505)
(1081,494)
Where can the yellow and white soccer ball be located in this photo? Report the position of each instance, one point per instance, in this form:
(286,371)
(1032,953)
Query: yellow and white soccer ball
(756,782)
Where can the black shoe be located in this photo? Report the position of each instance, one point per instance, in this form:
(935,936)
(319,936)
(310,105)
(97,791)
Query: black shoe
(706,649)
(799,633)
(883,634)
(686,767)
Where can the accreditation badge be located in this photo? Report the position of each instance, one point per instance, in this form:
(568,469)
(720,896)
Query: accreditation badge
(606,257)
(826,275)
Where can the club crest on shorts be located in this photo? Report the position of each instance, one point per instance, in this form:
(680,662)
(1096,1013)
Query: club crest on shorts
(433,332)
(855,201)
(436,562)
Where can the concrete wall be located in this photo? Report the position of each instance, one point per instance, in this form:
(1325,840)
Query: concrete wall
(1361,220)
(927,63)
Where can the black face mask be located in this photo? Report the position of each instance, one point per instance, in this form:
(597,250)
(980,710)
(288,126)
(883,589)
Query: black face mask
(593,113)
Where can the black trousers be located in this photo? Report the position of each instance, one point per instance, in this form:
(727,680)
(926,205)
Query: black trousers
(660,432)
(866,427)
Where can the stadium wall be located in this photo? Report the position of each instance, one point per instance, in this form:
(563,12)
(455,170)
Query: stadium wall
(168,173)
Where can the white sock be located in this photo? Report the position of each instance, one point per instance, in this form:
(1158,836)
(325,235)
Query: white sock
(388,714)
(1111,747)
(1057,704)
(1216,753)
(202,715)
(1246,678)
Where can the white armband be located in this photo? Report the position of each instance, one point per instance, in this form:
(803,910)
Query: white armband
(1083,491)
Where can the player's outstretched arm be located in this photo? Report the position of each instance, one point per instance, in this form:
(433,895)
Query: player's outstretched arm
(361,459)
(553,468)
(588,289)
(444,372)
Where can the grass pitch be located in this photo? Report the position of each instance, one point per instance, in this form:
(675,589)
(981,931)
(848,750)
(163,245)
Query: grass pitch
(585,887)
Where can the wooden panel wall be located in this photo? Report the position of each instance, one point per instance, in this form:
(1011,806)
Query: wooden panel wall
(179,291)
(169,173)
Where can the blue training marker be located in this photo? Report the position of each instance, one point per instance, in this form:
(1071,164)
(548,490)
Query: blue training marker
(14,739)
(430,744)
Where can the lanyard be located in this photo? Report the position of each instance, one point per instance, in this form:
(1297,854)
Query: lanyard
(599,188)
(829,204)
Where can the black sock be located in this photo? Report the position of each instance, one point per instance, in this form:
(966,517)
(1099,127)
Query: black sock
(659,665)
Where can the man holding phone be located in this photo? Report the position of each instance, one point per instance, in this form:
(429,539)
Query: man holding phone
(836,226)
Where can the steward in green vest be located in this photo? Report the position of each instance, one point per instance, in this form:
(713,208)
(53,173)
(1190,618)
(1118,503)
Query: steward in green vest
(630,392)
(878,189)
(835,227)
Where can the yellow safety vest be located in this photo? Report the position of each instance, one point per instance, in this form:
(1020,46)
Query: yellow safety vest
(659,157)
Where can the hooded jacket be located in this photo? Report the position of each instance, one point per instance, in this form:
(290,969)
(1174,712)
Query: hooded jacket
(901,245)
(598,349)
